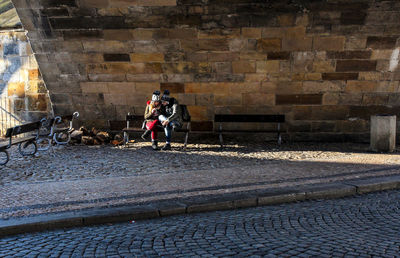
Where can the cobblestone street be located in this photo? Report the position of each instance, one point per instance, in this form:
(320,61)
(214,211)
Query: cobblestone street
(361,226)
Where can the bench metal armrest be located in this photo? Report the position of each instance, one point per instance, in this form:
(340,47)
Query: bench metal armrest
(57,120)
(75,115)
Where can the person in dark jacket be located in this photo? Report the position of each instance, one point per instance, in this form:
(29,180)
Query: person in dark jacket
(170,118)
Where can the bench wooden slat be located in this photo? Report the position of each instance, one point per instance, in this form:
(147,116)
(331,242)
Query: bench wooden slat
(66,117)
(134,118)
(245,131)
(23,129)
(247,118)
(250,118)
(182,130)
(137,129)
(16,141)
(24,139)
(132,129)
(3,145)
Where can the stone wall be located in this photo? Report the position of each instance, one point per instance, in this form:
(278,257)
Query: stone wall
(23,92)
(327,65)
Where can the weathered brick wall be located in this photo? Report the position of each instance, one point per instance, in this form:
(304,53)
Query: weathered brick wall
(23,92)
(328,65)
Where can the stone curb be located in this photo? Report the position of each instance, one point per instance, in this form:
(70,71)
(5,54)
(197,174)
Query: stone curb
(197,204)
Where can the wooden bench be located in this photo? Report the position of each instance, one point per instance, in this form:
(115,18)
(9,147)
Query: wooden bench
(134,124)
(228,118)
(24,142)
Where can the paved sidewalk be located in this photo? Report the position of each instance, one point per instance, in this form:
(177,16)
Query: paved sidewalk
(80,185)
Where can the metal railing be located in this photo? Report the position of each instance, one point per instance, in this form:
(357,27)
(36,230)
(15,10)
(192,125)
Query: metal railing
(7,118)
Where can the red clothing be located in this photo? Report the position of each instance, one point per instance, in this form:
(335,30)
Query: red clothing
(152,121)
(152,126)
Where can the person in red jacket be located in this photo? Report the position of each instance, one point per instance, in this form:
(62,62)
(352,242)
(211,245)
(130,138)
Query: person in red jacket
(151,115)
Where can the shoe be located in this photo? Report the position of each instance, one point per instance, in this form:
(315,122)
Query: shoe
(166,147)
(154,145)
(146,134)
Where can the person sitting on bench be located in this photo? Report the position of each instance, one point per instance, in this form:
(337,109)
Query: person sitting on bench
(151,115)
(171,117)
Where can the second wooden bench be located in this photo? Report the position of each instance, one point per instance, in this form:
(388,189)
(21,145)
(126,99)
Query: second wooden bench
(221,119)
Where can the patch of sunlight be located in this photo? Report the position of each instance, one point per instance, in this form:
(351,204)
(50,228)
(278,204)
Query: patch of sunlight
(363,158)
(394,60)
(8,15)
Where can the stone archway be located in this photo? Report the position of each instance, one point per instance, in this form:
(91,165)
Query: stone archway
(24,96)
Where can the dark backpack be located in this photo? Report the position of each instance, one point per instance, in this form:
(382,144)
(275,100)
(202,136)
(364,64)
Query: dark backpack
(185,113)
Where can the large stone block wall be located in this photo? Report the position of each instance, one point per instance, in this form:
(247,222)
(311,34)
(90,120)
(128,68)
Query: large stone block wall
(24,96)
(327,65)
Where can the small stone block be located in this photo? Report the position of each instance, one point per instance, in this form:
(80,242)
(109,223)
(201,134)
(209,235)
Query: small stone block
(339,76)
(173,87)
(269,44)
(120,215)
(281,198)
(117,58)
(329,191)
(244,203)
(224,205)
(383,133)
(172,211)
(381,42)
(283,55)
(376,184)
(355,65)
(171,208)
(301,99)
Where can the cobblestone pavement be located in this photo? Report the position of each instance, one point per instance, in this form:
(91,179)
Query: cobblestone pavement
(82,177)
(87,162)
(360,226)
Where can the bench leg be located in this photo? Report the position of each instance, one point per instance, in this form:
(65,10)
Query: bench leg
(5,157)
(126,138)
(186,140)
(62,138)
(23,148)
(279,134)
